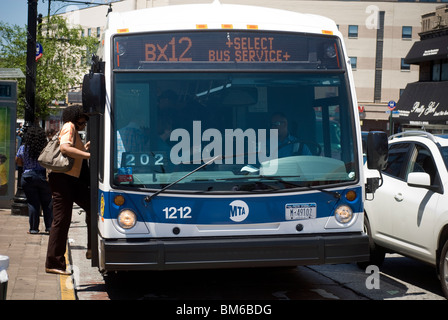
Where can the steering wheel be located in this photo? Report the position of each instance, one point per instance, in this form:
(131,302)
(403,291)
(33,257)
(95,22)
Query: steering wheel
(314,147)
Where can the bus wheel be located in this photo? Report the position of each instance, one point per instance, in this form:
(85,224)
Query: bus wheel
(377,253)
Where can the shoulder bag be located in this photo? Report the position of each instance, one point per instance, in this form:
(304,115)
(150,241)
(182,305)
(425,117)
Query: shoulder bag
(52,158)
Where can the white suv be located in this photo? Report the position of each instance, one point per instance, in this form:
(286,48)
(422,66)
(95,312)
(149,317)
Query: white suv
(408,213)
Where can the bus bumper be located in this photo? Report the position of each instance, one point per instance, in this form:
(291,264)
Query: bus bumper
(177,254)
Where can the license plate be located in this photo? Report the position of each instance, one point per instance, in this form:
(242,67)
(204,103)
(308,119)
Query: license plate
(300,211)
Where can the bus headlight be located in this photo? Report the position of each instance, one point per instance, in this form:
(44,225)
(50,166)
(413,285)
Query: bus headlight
(127,219)
(343,214)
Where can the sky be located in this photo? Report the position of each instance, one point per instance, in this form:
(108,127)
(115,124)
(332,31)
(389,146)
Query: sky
(16,11)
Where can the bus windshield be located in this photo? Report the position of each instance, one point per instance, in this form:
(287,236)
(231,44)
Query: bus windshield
(296,127)
(256,131)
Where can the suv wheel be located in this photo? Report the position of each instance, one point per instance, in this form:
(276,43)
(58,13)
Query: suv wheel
(377,253)
(443,269)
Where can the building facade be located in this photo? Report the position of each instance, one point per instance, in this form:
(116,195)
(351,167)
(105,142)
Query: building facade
(424,103)
(378,35)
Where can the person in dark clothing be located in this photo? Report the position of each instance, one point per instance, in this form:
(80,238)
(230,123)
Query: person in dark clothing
(68,188)
(34,178)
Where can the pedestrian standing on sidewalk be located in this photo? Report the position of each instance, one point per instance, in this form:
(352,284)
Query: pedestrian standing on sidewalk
(68,188)
(34,179)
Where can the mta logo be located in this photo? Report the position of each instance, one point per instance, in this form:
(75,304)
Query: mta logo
(239,210)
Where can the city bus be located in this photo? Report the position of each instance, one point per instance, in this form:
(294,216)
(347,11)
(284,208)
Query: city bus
(224,136)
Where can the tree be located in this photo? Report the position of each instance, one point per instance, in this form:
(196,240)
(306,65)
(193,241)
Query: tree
(13,55)
(62,66)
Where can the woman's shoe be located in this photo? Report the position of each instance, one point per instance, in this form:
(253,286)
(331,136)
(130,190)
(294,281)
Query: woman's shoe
(33,232)
(58,271)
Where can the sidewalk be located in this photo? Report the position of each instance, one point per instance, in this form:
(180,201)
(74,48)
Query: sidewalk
(27,253)
(27,279)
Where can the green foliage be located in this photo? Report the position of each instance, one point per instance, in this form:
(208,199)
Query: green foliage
(66,58)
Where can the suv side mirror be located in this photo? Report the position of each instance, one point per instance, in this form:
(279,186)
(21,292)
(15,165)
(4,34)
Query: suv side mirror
(377,150)
(419,179)
(93,93)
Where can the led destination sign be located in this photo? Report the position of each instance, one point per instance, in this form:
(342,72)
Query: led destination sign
(224,48)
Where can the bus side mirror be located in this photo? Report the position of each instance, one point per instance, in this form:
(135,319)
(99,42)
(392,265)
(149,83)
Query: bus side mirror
(93,93)
(377,150)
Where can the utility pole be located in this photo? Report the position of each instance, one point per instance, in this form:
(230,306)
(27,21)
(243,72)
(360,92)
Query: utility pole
(48,17)
(30,86)
(19,205)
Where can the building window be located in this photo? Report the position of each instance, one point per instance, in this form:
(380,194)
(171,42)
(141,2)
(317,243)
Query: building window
(444,71)
(406,33)
(89,32)
(405,66)
(98,32)
(439,71)
(354,62)
(426,24)
(352,31)
(435,71)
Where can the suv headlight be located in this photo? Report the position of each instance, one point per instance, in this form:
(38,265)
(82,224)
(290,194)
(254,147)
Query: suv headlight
(343,214)
(127,219)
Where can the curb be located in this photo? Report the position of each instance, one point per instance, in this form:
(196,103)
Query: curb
(67,283)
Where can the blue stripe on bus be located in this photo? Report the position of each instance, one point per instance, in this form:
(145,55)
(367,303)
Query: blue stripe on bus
(224,210)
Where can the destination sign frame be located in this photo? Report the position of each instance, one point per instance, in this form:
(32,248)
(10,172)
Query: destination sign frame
(224,49)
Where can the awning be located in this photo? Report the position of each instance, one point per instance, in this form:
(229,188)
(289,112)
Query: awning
(423,103)
(427,50)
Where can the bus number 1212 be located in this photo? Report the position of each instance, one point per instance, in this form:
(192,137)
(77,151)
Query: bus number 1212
(175,213)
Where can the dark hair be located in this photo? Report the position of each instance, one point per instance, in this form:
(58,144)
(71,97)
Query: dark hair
(35,141)
(73,114)
(279,114)
(50,131)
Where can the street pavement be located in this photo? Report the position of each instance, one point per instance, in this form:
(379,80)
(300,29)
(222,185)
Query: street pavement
(27,279)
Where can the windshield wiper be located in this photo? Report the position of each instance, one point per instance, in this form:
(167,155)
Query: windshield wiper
(149,198)
(335,194)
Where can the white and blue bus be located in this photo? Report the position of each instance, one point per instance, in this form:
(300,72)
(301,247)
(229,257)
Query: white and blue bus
(224,136)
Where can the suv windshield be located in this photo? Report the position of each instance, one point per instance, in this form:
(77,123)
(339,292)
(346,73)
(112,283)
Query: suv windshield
(268,131)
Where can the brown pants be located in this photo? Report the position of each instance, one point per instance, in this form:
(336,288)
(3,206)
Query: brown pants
(66,190)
